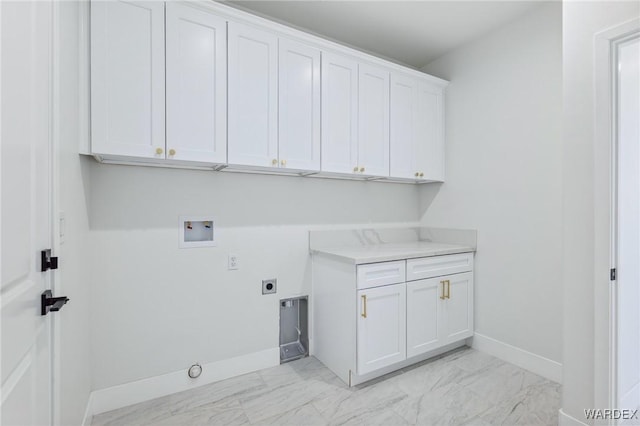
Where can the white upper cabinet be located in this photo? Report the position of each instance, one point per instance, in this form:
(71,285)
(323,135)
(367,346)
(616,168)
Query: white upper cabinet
(430,134)
(373,120)
(404,106)
(201,85)
(417,129)
(196,65)
(127,78)
(299,106)
(339,114)
(253,96)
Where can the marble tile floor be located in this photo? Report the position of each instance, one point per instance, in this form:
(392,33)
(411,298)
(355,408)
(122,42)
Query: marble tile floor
(462,387)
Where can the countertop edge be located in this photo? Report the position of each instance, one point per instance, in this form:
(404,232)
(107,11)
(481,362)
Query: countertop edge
(390,258)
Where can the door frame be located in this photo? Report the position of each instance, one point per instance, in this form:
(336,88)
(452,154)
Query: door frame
(605,150)
(54,205)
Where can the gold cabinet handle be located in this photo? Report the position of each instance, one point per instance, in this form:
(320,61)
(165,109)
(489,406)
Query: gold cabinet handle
(159,151)
(274,162)
(364,306)
(442,295)
(421,174)
(448,289)
(283,163)
(172,152)
(361,169)
(417,174)
(355,169)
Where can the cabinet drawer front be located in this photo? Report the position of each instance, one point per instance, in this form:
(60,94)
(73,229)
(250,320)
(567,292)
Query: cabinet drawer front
(428,267)
(377,274)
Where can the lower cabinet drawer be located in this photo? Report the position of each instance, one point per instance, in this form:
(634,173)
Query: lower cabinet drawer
(378,274)
(436,266)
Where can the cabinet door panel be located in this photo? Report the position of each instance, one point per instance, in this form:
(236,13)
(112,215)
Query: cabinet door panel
(429,147)
(403,126)
(127,78)
(339,114)
(253,96)
(458,308)
(424,305)
(381,332)
(299,106)
(196,85)
(373,120)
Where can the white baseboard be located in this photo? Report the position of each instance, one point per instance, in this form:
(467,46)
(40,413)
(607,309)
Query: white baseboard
(537,364)
(566,420)
(88,413)
(108,399)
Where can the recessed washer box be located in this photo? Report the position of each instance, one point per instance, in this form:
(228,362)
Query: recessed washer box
(196,231)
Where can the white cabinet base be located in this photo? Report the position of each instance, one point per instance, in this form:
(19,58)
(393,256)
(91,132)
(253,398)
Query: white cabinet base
(359,379)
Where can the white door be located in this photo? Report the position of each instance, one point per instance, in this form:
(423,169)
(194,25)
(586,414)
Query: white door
(457,307)
(381,331)
(299,106)
(628,268)
(253,96)
(127,78)
(424,306)
(429,143)
(339,114)
(373,120)
(404,104)
(196,61)
(26,31)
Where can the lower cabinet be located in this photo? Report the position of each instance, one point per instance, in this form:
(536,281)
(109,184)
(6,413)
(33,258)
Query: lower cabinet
(381,327)
(439,312)
(404,312)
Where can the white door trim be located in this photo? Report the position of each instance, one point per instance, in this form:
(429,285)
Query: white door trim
(605,187)
(54,204)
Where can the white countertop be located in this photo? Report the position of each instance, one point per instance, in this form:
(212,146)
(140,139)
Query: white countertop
(390,251)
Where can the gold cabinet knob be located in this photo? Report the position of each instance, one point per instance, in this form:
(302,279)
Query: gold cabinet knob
(274,162)
(421,174)
(417,174)
(172,152)
(283,163)
(355,169)
(361,169)
(159,151)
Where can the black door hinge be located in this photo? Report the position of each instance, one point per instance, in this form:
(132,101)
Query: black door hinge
(47,261)
(612,274)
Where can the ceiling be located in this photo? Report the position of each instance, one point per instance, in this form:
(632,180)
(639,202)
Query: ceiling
(410,32)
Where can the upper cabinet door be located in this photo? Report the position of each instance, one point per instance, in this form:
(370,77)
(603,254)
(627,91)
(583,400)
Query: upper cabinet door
(339,114)
(196,85)
(373,120)
(299,106)
(430,135)
(253,96)
(404,104)
(127,78)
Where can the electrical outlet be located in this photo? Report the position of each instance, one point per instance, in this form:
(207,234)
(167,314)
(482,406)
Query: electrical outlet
(269,286)
(233,262)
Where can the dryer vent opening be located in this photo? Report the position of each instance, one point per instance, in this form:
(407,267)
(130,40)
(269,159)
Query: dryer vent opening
(294,328)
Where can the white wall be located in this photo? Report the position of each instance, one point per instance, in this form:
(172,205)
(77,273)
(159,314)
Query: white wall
(72,280)
(157,309)
(504,176)
(583,356)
